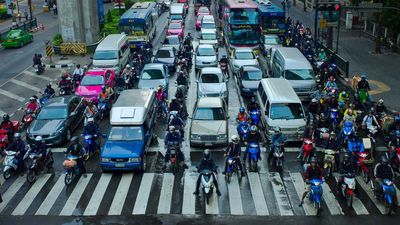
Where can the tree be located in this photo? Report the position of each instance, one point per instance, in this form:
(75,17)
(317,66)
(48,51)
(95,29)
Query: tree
(129,3)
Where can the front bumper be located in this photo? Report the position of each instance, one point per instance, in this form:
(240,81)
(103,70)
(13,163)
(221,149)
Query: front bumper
(10,44)
(202,143)
(125,166)
(203,65)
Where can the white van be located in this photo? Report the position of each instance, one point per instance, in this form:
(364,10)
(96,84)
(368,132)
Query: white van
(281,107)
(177,13)
(291,64)
(112,52)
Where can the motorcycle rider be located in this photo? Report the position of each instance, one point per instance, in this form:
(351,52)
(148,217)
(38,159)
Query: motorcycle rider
(253,105)
(313,171)
(78,72)
(253,137)
(314,108)
(7,125)
(109,90)
(18,146)
(345,167)
(65,83)
(173,138)
(322,55)
(39,148)
(37,60)
(331,84)
(319,93)
(369,120)
(344,97)
(181,79)
(207,163)
(33,105)
(162,98)
(363,84)
(49,91)
(380,108)
(174,105)
(92,129)
(278,139)
(234,151)
(90,110)
(224,61)
(75,149)
(178,123)
(394,143)
(241,117)
(382,171)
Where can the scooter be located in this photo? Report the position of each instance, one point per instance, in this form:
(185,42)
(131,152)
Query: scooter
(207,184)
(27,119)
(348,187)
(243,131)
(389,195)
(334,115)
(44,98)
(329,162)
(103,108)
(33,165)
(174,166)
(308,148)
(254,150)
(231,169)
(255,117)
(362,166)
(71,169)
(278,156)
(347,130)
(10,164)
(76,80)
(323,136)
(39,69)
(4,141)
(315,195)
(88,146)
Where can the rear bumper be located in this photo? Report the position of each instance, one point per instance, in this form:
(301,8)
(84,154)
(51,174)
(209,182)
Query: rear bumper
(128,166)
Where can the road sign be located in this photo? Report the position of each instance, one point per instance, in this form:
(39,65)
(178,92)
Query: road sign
(322,23)
(49,49)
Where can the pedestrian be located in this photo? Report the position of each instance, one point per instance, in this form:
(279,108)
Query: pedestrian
(55,9)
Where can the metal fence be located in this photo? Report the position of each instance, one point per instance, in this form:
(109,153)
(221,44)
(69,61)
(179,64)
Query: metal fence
(342,64)
(26,26)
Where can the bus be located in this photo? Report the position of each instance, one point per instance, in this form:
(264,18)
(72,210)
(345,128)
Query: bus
(272,18)
(240,23)
(139,24)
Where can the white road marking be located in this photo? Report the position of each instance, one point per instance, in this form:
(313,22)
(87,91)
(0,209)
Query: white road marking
(282,200)
(76,194)
(164,204)
(11,191)
(98,194)
(298,183)
(2,113)
(143,194)
(235,199)
(189,200)
(52,196)
(120,195)
(330,200)
(25,85)
(11,95)
(370,193)
(31,195)
(32,74)
(257,194)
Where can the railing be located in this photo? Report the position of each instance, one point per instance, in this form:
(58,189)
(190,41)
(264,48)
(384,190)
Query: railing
(342,64)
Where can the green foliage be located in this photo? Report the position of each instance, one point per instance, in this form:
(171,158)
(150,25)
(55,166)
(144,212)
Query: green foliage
(3,13)
(109,17)
(390,17)
(129,3)
(112,20)
(57,40)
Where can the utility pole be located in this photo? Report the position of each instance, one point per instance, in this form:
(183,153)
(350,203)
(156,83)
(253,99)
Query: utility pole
(30,9)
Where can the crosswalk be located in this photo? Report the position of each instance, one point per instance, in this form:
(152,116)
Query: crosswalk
(149,193)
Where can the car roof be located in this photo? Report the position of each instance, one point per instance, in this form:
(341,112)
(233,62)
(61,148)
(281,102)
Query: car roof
(251,68)
(172,36)
(96,71)
(243,50)
(211,70)
(209,102)
(169,48)
(271,35)
(153,66)
(204,7)
(205,46)
(294,58)
(279,90)
(208,18)
(59,101)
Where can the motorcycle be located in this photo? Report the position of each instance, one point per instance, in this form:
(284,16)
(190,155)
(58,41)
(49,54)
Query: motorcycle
(348,187)
(33,165)
(254,150)
(76,80)
(71,169)
(44,98)
(88,146)
(362,165)
(103,108)
(10,164)
(39,69)
(323,136)
(255,117)
(160,110)
(207,184)
(174,166)
(4,141)
(308,148)
(278,156)
(347,131)
(329,162)
(231,169)
(64,90)
(334,116)
(395,162)
(243,131)
(27,119)
(315,195)
(389,195)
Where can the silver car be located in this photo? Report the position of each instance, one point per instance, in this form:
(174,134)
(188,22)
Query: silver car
(152,75)
(268,42)
(205,56)
(211,83)
(242,57)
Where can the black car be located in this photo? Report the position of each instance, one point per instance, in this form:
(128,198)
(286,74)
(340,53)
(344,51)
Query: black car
(57,120)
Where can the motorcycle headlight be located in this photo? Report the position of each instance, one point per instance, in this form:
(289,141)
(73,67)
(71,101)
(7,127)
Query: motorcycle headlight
(195,137)
(135,159)
(221,136)
(105,159)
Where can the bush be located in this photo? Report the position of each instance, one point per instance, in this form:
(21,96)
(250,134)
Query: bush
(129,3)
(3,13)
(57,40)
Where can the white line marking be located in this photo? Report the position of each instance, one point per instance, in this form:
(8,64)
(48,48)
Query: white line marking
(52,196)
(235,199)
(76,194)
(11,191)
(189,200)
(164,204)
(330,200)
(370,193)
(143,194)
(31,195)
(25,85)
(282,200)
(11,95)
(257,194)
(98,194)
(120,195)
(298,183)
(32,74)
(2,113)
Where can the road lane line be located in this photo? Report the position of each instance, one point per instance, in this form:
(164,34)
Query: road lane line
(371,195)
(120,195)
(189,199)
(32,74)
(298,183)
(11,95)
(95,200)
(25,85)
(257,194)
(11,191)
(164,204)
(75,196)
(330,200)
(143,194)
(52,196)
(235,199)
(31,195)
(282,200)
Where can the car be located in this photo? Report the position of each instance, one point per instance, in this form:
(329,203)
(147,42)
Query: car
(173,41)
(176,28)
(205,56)
(152,75)
(198,22)
(212,83)
(185,5)
(203,11)
(17,38)
(208,36)
(208,22)
(209,124)
(57,120)
(242,56)
(268,42)
(248,79)
(167,56)
(166,2)
(93,81)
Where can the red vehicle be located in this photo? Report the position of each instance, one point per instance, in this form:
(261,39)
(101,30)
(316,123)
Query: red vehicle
(362,165)
(308,146)
(93,81)
(203,11)
(396,159)
(4,142)
(198,22)
(176,28)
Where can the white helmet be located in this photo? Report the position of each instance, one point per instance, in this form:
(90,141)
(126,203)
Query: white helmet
(380,101)
(235,139)
(128,66)
(38,138)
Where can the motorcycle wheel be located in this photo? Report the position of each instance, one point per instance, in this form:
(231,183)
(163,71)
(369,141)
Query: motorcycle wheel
(253,166)
(317,207)
(349,200)
(228,177)
(68,178)
(365,176)
(7,174)
(31,176)
(388,208)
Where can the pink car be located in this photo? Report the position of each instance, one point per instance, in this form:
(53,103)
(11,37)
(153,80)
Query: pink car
(93,81)
(203,11)
(175,28)
(198,22)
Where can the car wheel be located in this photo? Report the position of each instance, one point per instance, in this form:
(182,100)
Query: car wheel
(68,135)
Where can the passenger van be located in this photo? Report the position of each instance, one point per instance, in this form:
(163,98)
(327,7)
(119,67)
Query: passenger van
(112,53)
(177,13)
(291,64)
(281,107)
(132,120)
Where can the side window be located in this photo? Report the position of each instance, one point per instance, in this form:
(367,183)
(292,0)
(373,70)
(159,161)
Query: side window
(267,109)
(263,98)
(124,47)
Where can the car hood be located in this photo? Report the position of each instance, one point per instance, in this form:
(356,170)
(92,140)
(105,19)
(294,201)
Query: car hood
(210,127)
(212,88)
(122,149)
(286,124)
(105,63)
(88,90)
(208,42)
(245,62)
(206,58)
(165,60)
(151,84)
(252,84)
(174,30)
(45,127)
(303,84)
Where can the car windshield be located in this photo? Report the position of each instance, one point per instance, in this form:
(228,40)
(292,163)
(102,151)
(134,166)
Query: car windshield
(53,113)
(163,54)
(174,26)
(204,10)
(173,40)
(175,17)
(205,52)
(208,25)
(211,78)
(14,34)
(209,114)
(244,36)
(288,111)
(271,40)
(243,16)
(299,74)
(209,36)
(252,75)
(152,74)
(92,80)
(105,55)
(244,55)
(123,133)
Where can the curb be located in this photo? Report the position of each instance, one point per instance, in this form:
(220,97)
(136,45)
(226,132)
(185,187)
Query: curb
(59,65)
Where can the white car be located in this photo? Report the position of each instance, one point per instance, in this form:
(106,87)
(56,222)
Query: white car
(209,36)
(205,56)
(211,83)
(268,42)
(242,57)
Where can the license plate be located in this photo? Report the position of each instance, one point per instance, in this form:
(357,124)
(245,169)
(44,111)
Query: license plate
(119,165)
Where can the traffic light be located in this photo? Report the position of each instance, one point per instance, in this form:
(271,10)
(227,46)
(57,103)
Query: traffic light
(329,6)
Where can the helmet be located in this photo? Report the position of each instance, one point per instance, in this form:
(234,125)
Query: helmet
(363,77)
(333,133)
(6,117)
(380,101)
(277,130)
(397,133)
(384,159)
(253,99)
(188,34)
(207,154)
(183,60)
(90,120)
(49,85)
(235,139)
(242,110)
(128,66)
(253,128)
(17,135)
(314,100)
(38,138)
(75,139)
(171,128)
(159,88)
(344,93)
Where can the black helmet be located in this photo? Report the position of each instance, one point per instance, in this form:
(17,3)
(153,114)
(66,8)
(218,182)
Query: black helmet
(48,86)
(207,154)
(384,159)
(6,117)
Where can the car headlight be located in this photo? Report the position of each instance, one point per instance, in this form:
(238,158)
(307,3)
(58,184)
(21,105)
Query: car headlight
(195,137)
(105,159)
(135,159)
(221,136)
